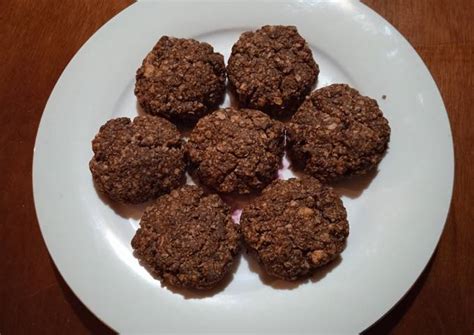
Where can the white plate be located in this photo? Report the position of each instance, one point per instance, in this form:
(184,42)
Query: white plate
(396,221)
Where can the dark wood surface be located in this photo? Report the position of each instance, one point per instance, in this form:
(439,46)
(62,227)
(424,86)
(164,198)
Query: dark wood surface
(37,40)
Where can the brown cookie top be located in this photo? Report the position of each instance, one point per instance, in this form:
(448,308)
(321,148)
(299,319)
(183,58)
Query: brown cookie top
(137,161)
(295,226)
(236,151)
(188,238)
(272,69)
(337,132)
(180,79)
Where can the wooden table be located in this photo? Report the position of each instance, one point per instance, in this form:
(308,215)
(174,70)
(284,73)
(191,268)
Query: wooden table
(37,40)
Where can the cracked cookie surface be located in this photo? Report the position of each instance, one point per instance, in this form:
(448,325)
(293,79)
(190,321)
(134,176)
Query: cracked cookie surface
(236,151)
(337,132)
(272,69)
(295,226)
(188,238)
(137,161)
(181,79)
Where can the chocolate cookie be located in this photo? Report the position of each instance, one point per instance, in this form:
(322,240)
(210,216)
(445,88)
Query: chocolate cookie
(236,151)
(137,161)
(295,226)
(336,133)
(180,79)
(272,69)
(188,238)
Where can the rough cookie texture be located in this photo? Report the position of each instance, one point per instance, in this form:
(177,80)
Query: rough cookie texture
(295,226)
(337,132)
(236,151)
(272,69)
(137,161)
(180,79)
(187,238)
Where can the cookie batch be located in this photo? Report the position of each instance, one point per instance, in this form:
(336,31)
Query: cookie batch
(187,235)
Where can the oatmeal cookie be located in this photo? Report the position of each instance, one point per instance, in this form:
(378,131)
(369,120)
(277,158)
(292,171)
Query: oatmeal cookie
(236,151)
(272,69)
(181,79)
(188,238)
(137,161)
(295,226)
(337,132)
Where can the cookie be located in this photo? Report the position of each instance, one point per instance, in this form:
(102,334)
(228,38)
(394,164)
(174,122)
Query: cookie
(295,227)
(272,69)
(137,161)
(236,151)
(181,79)
(336,133)
(188,238)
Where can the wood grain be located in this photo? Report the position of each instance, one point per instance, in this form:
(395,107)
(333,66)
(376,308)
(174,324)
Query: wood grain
(39,37)
(442,32)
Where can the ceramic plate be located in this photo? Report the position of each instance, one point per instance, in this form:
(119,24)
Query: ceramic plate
(396,215)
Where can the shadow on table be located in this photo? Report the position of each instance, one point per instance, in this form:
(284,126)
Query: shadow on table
(382,326)
(388,322)
(86,317)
